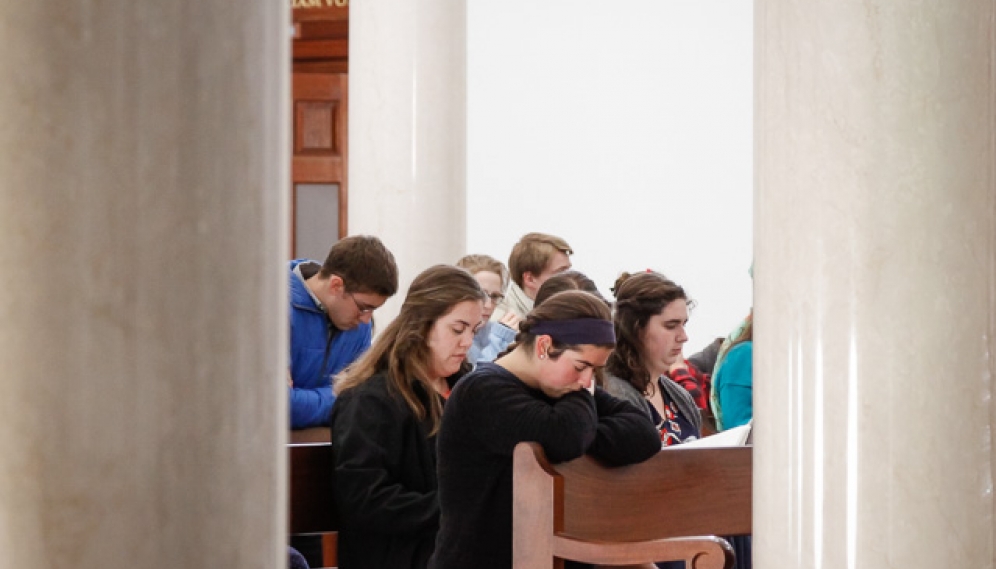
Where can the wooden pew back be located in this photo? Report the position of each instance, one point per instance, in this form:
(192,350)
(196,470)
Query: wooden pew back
(679,492)
(615,515)
(312,502)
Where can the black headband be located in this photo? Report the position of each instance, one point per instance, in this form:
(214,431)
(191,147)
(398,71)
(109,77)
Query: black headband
(577,331)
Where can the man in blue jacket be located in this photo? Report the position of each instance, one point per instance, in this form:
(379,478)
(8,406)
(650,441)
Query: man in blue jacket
(331,306)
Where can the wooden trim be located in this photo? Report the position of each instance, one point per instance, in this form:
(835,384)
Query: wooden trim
(310,435)
(330,66)
(327,13)
(317,169)
(342,138)
(321,49)
(292,222)
(321,30)
(703,551)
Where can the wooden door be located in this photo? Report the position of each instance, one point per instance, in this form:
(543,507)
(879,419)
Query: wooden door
(318,170)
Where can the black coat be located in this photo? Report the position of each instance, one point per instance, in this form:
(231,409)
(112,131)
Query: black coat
(384,478)
(489,412)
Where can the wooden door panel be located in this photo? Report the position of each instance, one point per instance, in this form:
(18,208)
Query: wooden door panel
(319,150)
(317,130)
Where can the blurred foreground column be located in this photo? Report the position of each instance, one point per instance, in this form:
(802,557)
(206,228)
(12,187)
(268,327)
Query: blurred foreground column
(143,174)
(874,301)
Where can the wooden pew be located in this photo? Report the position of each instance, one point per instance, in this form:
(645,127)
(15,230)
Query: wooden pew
(312,502)
(670,507)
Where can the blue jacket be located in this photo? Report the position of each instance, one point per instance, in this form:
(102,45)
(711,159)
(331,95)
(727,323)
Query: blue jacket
(318,351)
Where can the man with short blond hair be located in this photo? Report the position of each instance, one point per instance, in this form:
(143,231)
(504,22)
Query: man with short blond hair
(534,259)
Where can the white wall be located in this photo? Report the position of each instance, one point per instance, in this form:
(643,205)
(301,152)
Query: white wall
(627,131)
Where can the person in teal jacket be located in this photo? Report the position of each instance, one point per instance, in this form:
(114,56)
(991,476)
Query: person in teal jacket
(733,384)
(331,306)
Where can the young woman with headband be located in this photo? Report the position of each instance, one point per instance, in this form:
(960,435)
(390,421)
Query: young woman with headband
(542,391)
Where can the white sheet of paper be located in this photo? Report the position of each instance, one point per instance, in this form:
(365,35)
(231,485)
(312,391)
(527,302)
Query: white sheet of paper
(735,437)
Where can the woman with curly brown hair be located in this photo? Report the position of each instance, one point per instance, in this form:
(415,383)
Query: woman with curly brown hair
(650,317)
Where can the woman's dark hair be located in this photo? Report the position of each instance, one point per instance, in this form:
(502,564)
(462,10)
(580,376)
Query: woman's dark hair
(401,351)
(639,297)
(571,280)
(566,305)
(567,280)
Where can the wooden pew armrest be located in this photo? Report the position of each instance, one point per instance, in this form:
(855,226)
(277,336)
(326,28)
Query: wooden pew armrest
(705,552)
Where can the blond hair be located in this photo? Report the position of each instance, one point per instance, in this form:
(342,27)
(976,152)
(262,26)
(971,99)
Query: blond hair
(533,253)
(477,263)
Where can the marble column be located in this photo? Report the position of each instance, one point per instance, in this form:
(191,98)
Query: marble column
(407,131)
(143,176)
(875,217)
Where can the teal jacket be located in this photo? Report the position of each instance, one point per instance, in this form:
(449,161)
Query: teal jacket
(734,386)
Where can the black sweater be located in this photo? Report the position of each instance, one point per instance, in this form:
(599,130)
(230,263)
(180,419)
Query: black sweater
(384,478)
(489,412)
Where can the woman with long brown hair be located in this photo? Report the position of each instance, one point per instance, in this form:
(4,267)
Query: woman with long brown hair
(385,419)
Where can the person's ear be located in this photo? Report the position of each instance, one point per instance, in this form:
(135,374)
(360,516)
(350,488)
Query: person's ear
(542,346)
(529,281)
(336,285)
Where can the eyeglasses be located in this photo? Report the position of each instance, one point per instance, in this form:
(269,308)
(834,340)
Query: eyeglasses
(362,307)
